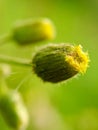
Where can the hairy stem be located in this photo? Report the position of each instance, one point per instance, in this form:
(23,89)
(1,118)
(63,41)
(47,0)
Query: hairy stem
(15,61)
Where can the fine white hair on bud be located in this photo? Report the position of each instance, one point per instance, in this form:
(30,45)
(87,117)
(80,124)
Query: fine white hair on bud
(58,62)
(31,31)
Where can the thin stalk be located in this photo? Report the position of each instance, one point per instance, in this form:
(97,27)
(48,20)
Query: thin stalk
(15,61)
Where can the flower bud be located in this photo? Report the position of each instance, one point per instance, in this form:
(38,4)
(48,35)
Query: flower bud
(30,31)
(13,110)
(55,63)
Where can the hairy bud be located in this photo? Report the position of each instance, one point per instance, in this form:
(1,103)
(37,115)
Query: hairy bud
(13,110)
(30,31)
(58,62)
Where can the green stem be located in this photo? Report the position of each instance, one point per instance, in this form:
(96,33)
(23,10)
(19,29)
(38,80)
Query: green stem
(15,61)
(3,86)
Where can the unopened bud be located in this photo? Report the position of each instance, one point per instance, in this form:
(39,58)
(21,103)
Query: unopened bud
(58,62)
(13,110)
(30,31)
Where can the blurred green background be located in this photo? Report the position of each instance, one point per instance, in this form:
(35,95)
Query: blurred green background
(71,105)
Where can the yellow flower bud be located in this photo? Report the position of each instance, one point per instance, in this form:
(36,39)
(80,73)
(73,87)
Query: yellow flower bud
(57,62)
(31,31)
